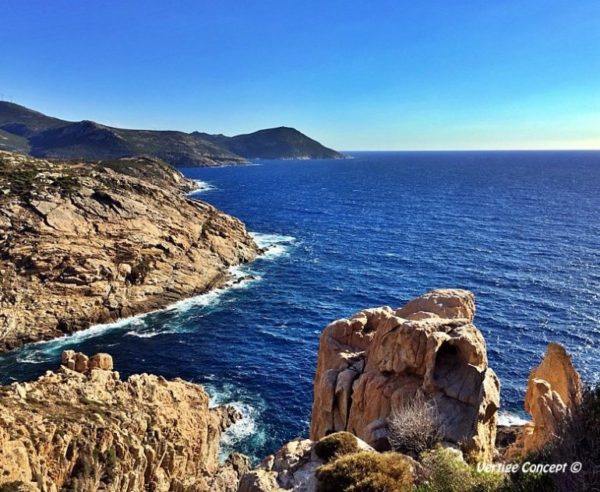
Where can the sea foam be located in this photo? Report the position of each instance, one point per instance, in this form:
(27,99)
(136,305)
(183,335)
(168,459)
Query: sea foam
(241,277)
(511,418)
(201,187)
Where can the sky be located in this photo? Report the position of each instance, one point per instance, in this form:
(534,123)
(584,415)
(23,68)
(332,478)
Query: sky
(355,75)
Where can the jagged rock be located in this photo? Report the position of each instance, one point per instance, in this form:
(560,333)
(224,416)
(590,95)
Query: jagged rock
(554,387)
(86,243)
(291,468)
(380,358)
(91,431)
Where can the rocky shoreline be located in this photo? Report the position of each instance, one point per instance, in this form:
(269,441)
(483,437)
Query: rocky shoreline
(379,361)
(85,243)
(82,428)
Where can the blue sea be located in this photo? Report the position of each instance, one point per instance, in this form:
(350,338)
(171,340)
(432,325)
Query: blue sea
(520,229)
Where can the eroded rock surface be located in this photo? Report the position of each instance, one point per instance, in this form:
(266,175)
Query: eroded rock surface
(84,429)
(554,387)
(293,467)
(380,358)
(85,243)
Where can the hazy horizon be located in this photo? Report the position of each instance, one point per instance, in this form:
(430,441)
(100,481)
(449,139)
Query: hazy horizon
(433,76)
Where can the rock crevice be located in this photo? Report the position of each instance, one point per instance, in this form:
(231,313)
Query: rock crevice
(381,358)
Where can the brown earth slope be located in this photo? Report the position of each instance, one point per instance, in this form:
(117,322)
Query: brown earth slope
(84,243)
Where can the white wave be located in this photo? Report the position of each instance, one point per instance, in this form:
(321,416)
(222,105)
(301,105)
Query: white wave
(245,428)
(31,358)
(147,334)
(275,245)
(241,277)
(53,346)
(201,187)
(510,418)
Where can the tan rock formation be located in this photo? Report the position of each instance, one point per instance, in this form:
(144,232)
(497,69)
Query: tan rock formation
(554,387)
(293,467)
(89,243)
(91,431)
(380,358)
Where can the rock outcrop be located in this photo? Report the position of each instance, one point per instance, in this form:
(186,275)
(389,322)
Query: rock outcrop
(84,429)
(293,467)
(380,358)
(554,387)
(85,243)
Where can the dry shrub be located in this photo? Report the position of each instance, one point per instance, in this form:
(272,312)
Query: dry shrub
(336,444)
(415,426)
(366,471)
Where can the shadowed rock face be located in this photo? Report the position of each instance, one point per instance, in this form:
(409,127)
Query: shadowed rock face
(380,358)
(554,387)
(84,429)
(84,243)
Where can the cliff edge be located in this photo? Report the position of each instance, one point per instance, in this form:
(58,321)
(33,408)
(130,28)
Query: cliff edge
(83,428)
(85,243)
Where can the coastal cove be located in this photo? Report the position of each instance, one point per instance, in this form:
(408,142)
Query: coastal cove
(519,229)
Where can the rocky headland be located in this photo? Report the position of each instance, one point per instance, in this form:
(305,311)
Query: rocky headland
(82,428)
(89,242)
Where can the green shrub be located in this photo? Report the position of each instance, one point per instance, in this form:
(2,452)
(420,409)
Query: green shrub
(366,471)
(67,184)
(578,440)
(448,473)
(530,482)
(336,444)
(11,487)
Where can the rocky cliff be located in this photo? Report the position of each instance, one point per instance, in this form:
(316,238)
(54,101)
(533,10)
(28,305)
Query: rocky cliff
(381,358)
(553,389)
(82,428)
(84,243)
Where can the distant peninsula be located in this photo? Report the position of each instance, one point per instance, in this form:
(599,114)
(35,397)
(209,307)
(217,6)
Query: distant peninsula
(30,132)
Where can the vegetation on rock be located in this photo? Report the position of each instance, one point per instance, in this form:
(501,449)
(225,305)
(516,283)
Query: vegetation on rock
(24,130)
(415,426)
(84,243)
(366,472)
(447,472)
(335,445)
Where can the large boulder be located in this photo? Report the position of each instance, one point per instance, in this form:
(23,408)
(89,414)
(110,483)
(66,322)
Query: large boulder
(381,358)
(554,387)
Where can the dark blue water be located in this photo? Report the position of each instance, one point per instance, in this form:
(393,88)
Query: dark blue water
(520,229)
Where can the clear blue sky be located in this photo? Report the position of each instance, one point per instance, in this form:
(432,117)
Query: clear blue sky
(353,74)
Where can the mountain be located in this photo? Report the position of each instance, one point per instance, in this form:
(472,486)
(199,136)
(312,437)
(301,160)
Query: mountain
(25,122)
(275,143)
(27,131)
